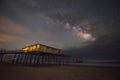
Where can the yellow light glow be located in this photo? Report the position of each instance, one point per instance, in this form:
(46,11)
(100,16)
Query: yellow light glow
(42,48)
(38,46)
(25,49)
(34,47)
(30,48)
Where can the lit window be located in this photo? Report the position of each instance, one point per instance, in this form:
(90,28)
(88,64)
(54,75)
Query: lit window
(38,46)
(34,47)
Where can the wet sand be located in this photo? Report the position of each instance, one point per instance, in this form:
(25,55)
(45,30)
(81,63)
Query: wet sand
(11,72)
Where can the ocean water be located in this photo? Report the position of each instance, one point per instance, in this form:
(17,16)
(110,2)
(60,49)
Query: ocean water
(95,64)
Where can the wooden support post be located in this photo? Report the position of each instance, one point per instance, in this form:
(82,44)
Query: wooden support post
(53,58)
(30,64)
(56,60)
(1,58)
(28,60)
(48,59)
(42,59)
(17,58)
(14,59)
(63,59)
(35,59)
(59,60)
(24,60)
(21,61)
(21,57)
(38,60)
(45,59)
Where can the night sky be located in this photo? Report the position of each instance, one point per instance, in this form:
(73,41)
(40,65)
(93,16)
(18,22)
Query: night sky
(88,28)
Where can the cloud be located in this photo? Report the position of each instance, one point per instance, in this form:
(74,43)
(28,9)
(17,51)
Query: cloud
(10,38)
(8,26)
(12,33)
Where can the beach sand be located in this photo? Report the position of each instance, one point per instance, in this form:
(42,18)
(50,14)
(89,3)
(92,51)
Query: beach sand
(12,72)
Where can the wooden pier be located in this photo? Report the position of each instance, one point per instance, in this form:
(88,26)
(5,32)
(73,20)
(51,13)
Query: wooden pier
(35,58)
(36,55)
